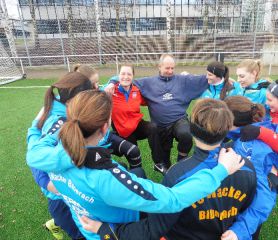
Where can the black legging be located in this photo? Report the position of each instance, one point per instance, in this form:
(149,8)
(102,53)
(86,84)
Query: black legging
(121,147)
(162,140)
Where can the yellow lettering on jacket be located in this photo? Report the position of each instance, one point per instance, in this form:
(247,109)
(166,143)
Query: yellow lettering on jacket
(230,192)
(212,214)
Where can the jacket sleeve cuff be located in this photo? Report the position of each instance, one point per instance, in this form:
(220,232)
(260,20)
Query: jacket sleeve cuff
(45,183)
(114,80)
(241,235)
(106,231)
(269,137)
(220,172)
(265,133)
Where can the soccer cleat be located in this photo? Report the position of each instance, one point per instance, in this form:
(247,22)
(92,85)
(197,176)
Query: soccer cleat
(55,230)
(160,167)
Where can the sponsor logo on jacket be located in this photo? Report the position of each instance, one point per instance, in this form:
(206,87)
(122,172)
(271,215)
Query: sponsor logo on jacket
(224,192)
(167,96)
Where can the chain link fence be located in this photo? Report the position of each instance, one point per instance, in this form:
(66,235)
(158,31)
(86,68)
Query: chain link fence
(108,32)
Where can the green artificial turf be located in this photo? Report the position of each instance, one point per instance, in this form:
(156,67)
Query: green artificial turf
(23,208)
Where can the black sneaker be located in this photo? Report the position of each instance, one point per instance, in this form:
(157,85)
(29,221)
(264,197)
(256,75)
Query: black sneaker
(160,167)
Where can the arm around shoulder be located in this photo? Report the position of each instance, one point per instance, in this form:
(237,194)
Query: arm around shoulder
(48,156)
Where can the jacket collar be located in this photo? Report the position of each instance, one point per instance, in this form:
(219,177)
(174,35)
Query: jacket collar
(217,87)
(58,108)
(202,155)
(122,90)
(98,158)
(256,84)
(234,134)
(166,79)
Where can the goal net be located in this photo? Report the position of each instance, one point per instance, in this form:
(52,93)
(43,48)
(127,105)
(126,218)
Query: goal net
(9,72)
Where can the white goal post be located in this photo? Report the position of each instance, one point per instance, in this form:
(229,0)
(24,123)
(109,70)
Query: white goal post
(9,72)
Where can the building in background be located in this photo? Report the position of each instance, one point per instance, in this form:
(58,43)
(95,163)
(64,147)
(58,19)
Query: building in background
(125,27)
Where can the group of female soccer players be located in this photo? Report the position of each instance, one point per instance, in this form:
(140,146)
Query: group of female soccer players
(225,190)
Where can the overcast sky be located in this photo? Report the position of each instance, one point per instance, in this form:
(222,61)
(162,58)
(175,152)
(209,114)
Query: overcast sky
(12,8)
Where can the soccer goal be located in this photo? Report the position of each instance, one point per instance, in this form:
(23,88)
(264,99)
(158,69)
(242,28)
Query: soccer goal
(9,72)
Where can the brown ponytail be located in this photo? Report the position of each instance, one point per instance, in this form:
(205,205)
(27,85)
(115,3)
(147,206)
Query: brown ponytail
(258,112)
(87,112)
(86,70)
(221,71)
(227,85)
(48,99)
(68,86)
(243,109)
(74,141)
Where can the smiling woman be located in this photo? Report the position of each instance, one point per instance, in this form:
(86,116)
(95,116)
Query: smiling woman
(126,114)
(126,76)
(248,75)
(220,85)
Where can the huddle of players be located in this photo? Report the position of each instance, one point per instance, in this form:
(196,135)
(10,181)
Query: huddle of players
(167,96)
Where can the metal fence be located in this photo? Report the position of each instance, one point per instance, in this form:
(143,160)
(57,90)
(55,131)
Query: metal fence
(52,32)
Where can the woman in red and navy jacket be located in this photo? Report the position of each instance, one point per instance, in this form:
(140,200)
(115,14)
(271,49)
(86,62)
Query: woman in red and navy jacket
(127,118)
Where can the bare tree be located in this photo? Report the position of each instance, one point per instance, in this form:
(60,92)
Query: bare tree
(34,22)
(70,25)
(168,25)
(121,8)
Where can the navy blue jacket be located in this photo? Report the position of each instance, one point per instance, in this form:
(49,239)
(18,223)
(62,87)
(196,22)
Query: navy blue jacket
(206,219)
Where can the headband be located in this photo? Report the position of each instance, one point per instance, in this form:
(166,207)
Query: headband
(244,118)
(67,94)
(273,88)
(216,71)
(204,136)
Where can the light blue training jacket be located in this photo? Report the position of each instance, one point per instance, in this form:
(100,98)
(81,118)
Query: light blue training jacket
(58,111)
(214,91)
(85,190)
(257,94)
(55,120)
(106,194)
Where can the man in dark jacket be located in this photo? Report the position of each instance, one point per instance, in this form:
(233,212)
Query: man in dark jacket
(168,96)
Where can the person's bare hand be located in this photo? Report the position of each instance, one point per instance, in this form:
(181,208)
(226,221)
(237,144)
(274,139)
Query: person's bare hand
(274,170)
(231,80)
(89,224)
(110,88)
(52,188)
(230,160)
(229,235)
(184,73)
